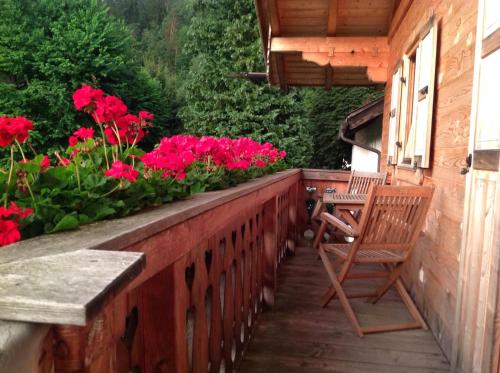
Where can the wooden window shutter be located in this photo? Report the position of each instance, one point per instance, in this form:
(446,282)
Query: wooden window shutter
(424,95)
(394,114)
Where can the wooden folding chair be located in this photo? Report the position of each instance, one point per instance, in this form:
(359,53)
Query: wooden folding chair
(359,182)
(390,224)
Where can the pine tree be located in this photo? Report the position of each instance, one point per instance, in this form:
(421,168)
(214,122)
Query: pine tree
(221,39)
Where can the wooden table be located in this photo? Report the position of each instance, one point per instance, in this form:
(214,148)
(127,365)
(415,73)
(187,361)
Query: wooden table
(346,204)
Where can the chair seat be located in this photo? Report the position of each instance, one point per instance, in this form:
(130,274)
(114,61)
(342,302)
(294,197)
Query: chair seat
(364,256)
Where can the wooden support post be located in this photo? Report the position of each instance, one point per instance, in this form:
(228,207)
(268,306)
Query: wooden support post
(181,303)
(270,251)
(157,321)
(292,217)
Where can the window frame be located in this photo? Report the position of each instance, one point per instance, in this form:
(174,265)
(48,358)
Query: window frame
(410,65)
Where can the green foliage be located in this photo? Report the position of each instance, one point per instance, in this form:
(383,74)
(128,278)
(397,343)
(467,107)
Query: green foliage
(49,48)
(221,39)
(326,111)
(66,197)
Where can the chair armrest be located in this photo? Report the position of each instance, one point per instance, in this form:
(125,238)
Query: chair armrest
(336,222)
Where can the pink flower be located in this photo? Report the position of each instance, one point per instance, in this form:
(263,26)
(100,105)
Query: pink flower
(11,129)
(86,97)
(9,232)
(84,133)
(146,115)
(14,212)
(65,162)
(259,163)
(74,153)
(45,163)
(108,109)
(73,140)
(120,170)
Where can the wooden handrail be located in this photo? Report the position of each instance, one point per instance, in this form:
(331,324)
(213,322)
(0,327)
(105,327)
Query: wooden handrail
(210,268)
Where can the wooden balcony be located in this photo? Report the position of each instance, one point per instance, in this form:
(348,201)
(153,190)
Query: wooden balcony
(297,335)
(218,292)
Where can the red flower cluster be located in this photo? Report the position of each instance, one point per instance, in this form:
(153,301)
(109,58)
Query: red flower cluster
(120,126)
(81,134)
(45,163)
(120,170)
(14,129)
(9,223)
(85,98)
(174,154)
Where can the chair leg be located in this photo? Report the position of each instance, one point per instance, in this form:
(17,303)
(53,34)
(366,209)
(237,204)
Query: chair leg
(340,293)
(330,293)
(319,234)
(415,313)
(395,273)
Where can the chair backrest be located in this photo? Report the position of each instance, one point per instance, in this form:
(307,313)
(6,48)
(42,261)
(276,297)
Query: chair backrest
(359,182)
(393,217)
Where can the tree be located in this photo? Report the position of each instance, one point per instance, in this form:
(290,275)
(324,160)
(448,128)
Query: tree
(326,111)
(222,39)
(49,48)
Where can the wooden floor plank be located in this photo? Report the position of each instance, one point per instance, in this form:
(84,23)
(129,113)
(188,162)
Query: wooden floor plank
(298,335)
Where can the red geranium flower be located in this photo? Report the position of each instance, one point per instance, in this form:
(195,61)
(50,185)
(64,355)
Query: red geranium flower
(14,212)
(72,141)
(45,163)
(14,129)
(109,108)
(86,97)
(84,133)
(120,170)
(9,232)
(81,133)
(146,115)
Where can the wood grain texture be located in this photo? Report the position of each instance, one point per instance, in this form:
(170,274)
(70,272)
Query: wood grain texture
(435,256)
(195,306)
(301,336)
(67,288)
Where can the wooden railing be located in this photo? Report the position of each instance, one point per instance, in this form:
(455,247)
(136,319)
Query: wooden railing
(211,265)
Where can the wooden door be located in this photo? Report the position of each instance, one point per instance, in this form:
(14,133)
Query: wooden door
(477,320)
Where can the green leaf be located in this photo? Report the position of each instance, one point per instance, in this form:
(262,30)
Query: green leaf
(68,222)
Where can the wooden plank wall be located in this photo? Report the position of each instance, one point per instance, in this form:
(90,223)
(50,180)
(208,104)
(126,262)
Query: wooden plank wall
(432,273)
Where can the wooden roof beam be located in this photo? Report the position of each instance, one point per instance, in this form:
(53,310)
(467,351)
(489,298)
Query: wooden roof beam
(274,17)
(332,17)
(400,9)
(369,52)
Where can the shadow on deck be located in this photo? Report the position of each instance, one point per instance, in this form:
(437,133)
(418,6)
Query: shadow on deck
(300,336)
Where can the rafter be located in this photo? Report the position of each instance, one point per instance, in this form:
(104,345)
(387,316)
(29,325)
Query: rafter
(332,17)
(400,9)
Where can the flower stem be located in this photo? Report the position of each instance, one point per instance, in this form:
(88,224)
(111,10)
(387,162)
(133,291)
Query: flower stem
(77,172)
(104,145)
(20,149)
(7,187)
(111,191)
(31,194)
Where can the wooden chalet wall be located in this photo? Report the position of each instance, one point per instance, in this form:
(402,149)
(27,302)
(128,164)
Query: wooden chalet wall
(433,271)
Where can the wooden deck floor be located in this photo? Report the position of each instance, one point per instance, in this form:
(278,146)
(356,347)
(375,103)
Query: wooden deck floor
(300,336)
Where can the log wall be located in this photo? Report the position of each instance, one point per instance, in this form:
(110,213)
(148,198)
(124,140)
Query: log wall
(432,273)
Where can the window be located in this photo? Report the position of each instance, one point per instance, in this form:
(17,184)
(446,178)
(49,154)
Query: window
(412,97)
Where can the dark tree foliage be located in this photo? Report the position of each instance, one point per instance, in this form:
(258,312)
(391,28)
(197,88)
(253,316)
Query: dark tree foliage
(221,39)
(326,111)
(49,48)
